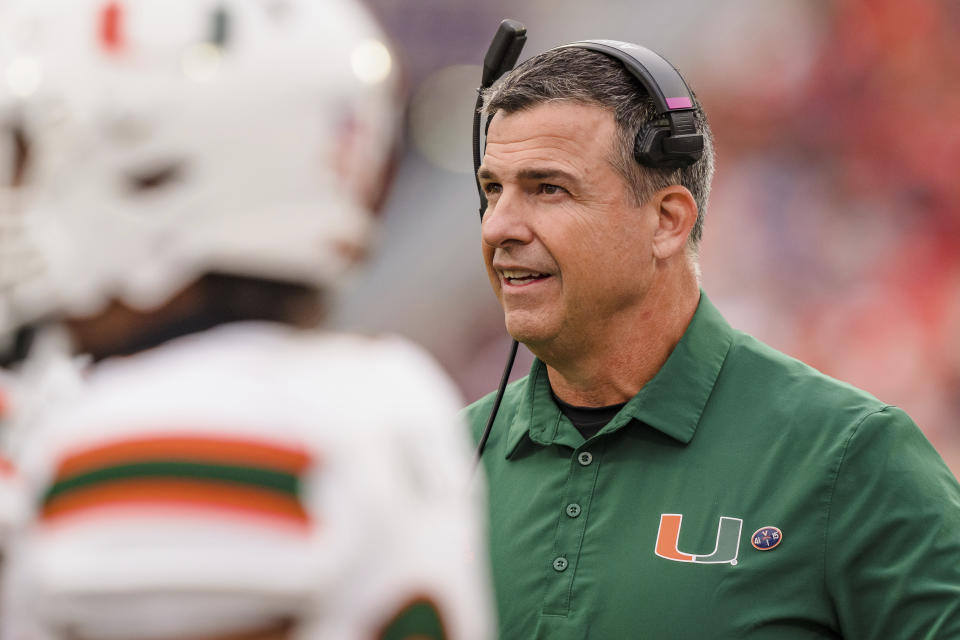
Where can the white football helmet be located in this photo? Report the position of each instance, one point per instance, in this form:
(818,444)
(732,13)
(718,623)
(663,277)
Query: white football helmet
(172,139)
(19,261)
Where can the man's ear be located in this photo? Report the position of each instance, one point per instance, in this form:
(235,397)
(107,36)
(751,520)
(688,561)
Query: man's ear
(676,214)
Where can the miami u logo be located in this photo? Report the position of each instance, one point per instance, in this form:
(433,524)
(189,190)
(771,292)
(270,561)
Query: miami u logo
(725,551)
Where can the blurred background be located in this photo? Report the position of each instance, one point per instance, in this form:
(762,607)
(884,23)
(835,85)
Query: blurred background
(833,231)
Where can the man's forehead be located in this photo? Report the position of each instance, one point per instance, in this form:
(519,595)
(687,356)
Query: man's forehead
(556,136)
(557,118)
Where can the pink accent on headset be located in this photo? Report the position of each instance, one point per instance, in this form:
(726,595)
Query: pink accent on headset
(679,103)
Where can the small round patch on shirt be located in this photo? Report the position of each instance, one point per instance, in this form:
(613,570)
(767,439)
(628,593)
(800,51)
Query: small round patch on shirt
(766,538)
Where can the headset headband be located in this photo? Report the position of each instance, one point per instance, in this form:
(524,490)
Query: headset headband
(664,83)
(671,144)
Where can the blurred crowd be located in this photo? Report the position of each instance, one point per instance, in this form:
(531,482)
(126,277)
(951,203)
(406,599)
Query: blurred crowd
(833,231)
(844,247)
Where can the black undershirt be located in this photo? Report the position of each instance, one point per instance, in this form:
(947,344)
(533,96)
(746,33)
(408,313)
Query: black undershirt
(588,420)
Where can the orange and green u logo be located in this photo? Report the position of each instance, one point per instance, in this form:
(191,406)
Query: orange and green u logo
(725,551)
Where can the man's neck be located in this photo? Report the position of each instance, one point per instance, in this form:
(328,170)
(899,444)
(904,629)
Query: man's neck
(611,367)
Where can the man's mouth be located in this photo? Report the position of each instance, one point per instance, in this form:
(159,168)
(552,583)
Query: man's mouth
(518,277)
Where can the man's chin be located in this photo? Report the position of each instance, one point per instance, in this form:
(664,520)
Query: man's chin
(528,331)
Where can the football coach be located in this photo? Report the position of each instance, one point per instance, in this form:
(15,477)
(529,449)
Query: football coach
(659,474)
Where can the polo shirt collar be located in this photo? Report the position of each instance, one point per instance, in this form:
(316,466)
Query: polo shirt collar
(672,402)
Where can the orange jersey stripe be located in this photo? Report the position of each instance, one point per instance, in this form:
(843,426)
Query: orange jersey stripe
(190,493)
(215,450)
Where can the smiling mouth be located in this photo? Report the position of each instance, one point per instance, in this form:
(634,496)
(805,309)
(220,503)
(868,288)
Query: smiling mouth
(518,278)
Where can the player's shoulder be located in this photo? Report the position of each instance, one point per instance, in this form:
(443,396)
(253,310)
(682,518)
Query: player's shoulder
(388,369)
(268,369)
(321,386)
(260,348)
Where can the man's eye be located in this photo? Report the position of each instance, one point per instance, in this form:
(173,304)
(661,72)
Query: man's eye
(551,189)
(492,188)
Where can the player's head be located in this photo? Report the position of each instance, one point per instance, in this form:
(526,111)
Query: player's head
(18,259)
(581,76)
(169,140)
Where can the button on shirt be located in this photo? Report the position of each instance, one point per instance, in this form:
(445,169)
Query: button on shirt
(740,494)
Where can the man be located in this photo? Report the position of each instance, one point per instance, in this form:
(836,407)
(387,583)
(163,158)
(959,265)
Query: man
(659,474)
(202,174)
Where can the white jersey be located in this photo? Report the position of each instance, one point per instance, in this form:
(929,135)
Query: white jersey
(12,493)
(8,390)
(12,501)
(248,473)
(50,376)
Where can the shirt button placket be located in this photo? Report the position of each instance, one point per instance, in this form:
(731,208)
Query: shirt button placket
(578,494)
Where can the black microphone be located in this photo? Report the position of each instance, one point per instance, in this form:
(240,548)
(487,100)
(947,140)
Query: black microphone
(503,52)
(501,56)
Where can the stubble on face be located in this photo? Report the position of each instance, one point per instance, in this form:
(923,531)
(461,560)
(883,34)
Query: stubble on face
(587,238)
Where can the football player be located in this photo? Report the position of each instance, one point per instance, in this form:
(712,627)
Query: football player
(202,174)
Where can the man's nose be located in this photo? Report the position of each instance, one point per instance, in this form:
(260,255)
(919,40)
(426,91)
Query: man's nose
(506,221)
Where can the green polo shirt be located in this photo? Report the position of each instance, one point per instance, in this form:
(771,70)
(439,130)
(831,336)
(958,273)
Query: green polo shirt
(740,494)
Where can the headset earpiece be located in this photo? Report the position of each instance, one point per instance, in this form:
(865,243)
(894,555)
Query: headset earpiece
(648,145)
(671,142)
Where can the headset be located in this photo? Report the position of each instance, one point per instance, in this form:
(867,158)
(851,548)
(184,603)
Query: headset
(669,141)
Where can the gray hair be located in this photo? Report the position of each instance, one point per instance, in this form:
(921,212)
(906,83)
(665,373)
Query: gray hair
(587,77)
